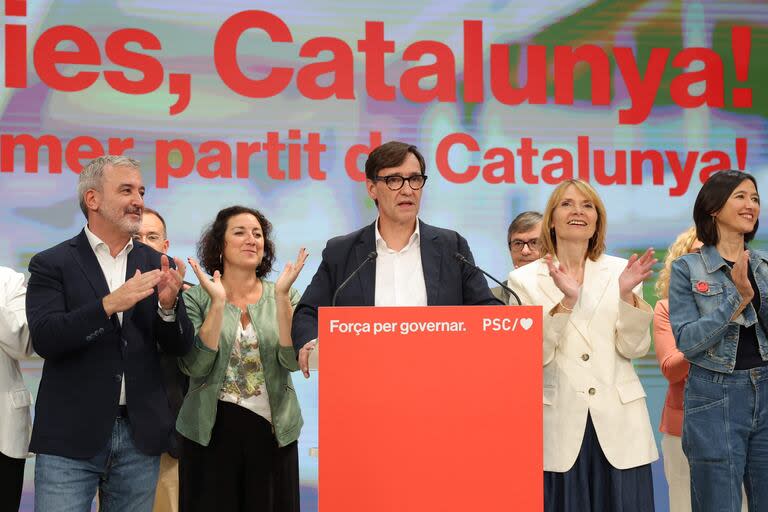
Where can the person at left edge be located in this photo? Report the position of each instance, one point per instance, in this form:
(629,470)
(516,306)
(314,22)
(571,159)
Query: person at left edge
(415,263)
(98,305)
(15,420)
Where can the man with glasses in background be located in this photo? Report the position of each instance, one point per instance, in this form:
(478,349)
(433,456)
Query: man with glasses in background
(400,260)
(523,243)
(154,233)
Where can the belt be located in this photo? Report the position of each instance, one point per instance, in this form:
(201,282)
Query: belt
(122,411)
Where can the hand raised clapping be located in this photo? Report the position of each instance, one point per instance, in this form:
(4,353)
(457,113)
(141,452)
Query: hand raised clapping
(564,282)
(135,289)
(214,288)
(290,272)
(638,269)
(740,276)
(170,281)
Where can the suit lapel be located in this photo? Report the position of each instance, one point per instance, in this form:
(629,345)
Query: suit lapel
(136,260)
(597,275)
(367,275)
(431,259)
(547,285)
(86,259)
(596,278)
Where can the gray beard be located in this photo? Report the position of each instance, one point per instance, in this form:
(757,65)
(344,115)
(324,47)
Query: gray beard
(125,225)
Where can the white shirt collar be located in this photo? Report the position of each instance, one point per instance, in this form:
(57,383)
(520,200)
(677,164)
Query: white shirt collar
(97,243)
(380,242)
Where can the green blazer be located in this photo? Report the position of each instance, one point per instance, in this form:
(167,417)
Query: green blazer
(206,368)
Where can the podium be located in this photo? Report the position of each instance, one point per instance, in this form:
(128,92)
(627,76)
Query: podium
(427,409)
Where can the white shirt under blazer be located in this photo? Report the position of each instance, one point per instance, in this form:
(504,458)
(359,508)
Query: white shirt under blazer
(15,399)
(588,365)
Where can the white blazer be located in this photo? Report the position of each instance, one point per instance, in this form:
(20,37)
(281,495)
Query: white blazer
(15,400)
(588,365)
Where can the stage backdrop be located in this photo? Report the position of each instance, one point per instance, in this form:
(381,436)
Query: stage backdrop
(275,105)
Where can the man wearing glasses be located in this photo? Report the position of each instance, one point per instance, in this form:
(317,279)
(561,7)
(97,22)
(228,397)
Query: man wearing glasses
(410,263)
(523,243)
(154,233)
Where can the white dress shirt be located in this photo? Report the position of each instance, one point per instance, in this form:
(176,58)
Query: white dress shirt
(114,272)
(399,278)
(399,275)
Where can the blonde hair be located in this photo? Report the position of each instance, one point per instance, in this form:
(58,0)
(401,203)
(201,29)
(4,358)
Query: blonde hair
(682,245)
(596,245)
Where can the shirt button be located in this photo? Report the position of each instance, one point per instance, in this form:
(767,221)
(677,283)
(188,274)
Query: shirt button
(592,391)
(585,357)
(118,377)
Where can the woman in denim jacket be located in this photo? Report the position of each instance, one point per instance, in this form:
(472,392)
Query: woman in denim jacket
(241,418)
(718,312)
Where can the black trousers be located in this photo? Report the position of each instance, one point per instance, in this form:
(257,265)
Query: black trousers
(241,470)
(12,478)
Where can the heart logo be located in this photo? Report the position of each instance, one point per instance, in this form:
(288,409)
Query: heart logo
(526,323)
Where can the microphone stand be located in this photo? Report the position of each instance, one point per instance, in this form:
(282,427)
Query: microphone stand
(464,260)
(371,256)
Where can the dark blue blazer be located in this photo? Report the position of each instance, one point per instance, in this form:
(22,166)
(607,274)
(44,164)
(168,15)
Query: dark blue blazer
(448,282)
(86,353)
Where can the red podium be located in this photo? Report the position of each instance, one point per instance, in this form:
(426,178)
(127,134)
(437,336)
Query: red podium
(427,409)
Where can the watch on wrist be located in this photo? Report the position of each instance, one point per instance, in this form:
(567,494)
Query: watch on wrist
(170,311)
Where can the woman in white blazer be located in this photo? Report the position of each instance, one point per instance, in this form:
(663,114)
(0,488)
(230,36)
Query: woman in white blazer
(15,419)
(598,439)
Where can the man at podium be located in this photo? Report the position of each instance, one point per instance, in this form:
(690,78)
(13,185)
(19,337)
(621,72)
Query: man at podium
(398,260)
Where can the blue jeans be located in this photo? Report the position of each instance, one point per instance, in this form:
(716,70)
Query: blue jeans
(125,477)
(725,437)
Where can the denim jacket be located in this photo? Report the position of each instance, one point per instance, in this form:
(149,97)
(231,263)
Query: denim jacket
(702,301)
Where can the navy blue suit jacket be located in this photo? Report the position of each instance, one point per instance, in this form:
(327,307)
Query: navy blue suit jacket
(448,282)
(86,353)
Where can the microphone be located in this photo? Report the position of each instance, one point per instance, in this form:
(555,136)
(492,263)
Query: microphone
(462,259)
(371,256)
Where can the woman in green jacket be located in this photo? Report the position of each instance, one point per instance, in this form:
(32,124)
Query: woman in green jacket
(240,418)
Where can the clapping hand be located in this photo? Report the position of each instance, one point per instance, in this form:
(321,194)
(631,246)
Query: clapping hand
(214,288)
(638,269)
(740,276)
(290,272)
(170,281)
(135,289)
(564,282)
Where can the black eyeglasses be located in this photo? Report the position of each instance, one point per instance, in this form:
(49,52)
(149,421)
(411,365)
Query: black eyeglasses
(517,245)
(396,181)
